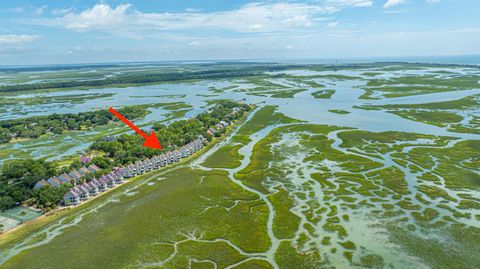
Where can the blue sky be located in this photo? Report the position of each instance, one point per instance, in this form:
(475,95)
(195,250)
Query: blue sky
(50,32)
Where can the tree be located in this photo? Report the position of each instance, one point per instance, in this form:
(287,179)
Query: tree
(1,228)
(102,162)
(5,135)
(22,215)
(49,197)
(76,164)
(26,172)
(18,178)
(57,130)
(7,202)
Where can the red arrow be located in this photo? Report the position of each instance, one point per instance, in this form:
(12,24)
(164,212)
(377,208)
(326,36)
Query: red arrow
(151,141)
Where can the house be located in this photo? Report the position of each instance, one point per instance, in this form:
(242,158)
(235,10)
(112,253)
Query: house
(86,186)
(139,167)
(112,175)
(66,178)
(128,172)
(143,167)
(41,184)
(118,178)
(75,175)
(93,187)
(109,180)
(148,165)
(163,159)
(156,162)
(133,168)
(183,152)
(170,157)
(211,131)
(84,159)
(118,173)
(54,181)
(83,192)
(71,197)
(93,168)
(191,148)
(101,185)
(177,155)
(84,171)
(224,123)
(109,138)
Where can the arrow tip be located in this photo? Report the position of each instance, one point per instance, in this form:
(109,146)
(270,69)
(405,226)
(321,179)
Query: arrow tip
(152,142)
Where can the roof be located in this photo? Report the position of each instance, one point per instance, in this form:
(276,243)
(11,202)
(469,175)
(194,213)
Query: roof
(54,181)
(40,184)
(93,168)
(65,178)
(70,193)
(83,171)
(81,188)
(75,174)
(85,159)
(86,186)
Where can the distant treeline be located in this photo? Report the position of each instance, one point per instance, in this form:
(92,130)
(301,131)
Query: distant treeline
(33,127)
(147,78)
(19,69)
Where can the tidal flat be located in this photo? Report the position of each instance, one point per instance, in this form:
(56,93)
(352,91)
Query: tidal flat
(366,166)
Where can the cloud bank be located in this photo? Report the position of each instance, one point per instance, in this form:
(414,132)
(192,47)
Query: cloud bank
(125,20)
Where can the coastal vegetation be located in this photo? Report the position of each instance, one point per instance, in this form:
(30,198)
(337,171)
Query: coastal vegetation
(418,84)
(17,179)
(323,94)
(456,115)
(34,127)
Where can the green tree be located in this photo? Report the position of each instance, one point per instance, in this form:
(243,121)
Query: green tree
(5,135)
(102,162)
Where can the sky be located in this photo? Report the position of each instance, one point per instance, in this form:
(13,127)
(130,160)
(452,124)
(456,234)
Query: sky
(74,31)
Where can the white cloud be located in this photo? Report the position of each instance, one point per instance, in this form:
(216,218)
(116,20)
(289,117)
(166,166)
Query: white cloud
(332,24)
(433,1)
(17,39)
(100,16)
(350,3)
(391,3)
(40,10)
(61,11)
(125,20)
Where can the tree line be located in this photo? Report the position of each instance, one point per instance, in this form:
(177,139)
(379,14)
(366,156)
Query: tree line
(214,73)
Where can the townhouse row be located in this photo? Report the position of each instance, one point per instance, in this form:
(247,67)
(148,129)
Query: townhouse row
(86,190)
(164,159)
(74,177)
